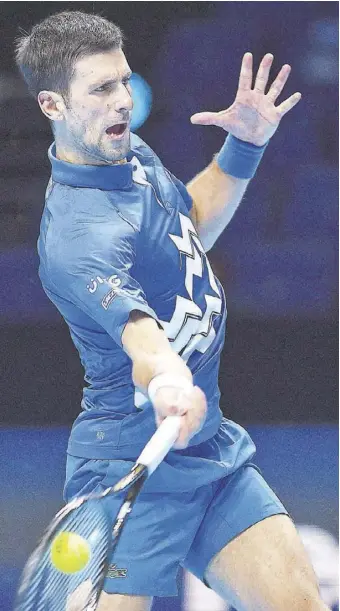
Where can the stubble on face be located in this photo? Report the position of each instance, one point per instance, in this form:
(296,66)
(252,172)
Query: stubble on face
(88,147)
(82,137)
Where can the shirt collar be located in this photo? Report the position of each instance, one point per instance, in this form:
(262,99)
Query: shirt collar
(102,177)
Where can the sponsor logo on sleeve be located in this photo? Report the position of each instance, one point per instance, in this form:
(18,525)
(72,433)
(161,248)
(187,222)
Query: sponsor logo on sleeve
(112,281)
(108,299)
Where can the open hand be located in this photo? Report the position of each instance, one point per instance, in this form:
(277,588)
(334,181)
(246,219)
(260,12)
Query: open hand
(253,117)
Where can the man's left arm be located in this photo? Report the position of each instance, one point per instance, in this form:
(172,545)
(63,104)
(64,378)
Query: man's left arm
(251,121)
(216,196)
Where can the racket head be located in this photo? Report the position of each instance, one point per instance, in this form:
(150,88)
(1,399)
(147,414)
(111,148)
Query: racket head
(43,587)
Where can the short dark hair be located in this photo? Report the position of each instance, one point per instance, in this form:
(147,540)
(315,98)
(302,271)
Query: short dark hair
(47,55)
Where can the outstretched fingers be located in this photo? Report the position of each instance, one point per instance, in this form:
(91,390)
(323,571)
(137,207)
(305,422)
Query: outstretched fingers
(288,104)
(279,83)
(246,74)
(263,73)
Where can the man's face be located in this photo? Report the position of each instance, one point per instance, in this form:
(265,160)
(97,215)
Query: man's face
(97,119)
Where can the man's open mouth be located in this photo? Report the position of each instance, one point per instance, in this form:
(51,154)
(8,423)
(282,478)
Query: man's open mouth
(116,130)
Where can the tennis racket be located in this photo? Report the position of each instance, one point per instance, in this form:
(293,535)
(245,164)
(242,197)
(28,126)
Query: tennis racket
(43,587)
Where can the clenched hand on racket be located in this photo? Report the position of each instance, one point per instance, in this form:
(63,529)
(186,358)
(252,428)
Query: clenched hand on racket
(190,404)
(163,375)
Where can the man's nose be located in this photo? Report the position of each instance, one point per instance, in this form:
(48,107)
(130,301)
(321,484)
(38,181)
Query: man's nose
(124,99)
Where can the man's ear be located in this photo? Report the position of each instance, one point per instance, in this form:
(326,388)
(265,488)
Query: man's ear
(51,105)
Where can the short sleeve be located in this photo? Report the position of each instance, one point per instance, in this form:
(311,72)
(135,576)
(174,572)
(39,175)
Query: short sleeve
(94,270)
(182,190)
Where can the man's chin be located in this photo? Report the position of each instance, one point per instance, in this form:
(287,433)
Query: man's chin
(118,149)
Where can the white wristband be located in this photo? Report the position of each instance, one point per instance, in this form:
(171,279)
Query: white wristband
(168,379)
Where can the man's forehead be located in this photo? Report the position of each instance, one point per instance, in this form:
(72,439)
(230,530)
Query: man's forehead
(109,64)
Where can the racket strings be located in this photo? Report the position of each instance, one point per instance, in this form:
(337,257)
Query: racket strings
(45,588)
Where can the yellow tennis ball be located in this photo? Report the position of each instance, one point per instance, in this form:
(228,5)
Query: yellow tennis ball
(70,552)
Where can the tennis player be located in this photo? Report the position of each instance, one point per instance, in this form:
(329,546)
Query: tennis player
(123,257)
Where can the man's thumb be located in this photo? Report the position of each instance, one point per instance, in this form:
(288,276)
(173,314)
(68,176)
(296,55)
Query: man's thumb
(203,118)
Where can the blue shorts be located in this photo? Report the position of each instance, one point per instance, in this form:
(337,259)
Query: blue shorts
(169,530)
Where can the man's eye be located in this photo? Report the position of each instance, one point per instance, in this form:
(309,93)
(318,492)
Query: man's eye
(102,88)
(107,86)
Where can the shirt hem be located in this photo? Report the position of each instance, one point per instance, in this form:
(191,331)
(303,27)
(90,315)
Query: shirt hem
(97,452)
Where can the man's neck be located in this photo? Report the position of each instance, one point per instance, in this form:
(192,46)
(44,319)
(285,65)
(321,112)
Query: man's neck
(65,154)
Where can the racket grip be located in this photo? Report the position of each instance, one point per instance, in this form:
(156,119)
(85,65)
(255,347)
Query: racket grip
(160,443)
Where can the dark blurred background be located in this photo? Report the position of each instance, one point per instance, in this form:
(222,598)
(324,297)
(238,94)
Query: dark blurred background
(277,260)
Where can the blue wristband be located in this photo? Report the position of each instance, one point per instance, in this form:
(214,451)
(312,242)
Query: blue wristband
(238,158)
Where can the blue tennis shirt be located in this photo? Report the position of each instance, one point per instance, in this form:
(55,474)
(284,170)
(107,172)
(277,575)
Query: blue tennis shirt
(119,238)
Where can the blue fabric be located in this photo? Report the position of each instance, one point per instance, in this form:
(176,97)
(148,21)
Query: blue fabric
(116,239)
(166,530)
(238,158)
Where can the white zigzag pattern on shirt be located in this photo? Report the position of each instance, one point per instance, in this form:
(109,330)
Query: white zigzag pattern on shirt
(189,329)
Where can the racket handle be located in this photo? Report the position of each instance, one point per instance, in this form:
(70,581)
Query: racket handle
(160,443)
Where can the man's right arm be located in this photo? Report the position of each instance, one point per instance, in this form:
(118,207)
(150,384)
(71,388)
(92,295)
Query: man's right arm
(94,271)
(171,389)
